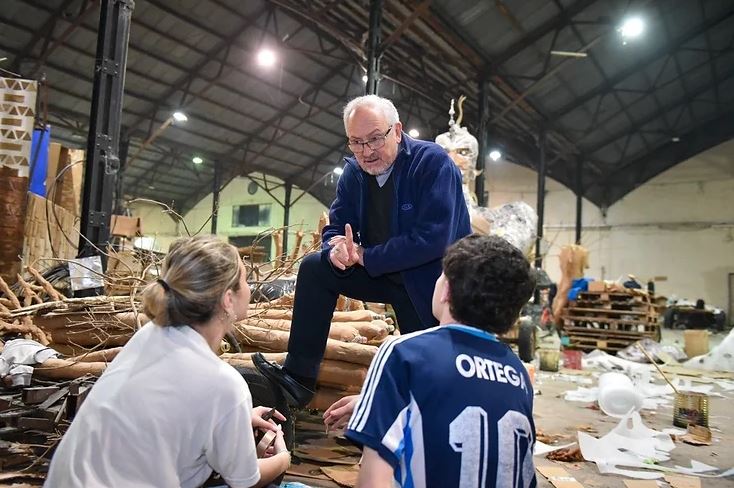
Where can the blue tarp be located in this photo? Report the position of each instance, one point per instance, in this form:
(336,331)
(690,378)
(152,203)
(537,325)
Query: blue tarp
(39,160)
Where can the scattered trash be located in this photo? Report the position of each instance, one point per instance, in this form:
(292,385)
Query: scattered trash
(658,351)
(559,477)
(617,395)
(543,448)
(631,444)
(566,455)
(697,435)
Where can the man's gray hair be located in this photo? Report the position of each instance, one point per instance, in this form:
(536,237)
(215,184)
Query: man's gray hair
(382,104)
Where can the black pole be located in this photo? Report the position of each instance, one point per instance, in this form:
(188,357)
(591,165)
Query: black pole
(216,183)
(483,136)
(579,196)
(286,216)
(373,46)
(103,162)
(541,197)
(120,183)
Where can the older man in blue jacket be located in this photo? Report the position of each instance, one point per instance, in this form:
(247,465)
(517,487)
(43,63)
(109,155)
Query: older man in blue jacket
(399,205)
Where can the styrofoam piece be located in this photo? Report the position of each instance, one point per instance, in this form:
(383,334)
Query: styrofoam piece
(617,395)
(720,358)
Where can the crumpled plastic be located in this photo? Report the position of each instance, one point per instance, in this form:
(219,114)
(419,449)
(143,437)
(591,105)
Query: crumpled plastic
(515,222)
(19,355)
(633,353)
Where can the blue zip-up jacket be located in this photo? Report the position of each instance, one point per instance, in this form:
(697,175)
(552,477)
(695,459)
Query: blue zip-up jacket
(429,214)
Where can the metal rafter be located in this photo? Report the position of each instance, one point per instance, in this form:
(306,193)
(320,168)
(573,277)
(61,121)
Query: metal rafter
(622,75)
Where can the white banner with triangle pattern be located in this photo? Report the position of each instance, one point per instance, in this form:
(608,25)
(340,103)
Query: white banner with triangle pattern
(17,110)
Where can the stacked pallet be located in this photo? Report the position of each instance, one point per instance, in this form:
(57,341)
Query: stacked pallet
(610,320)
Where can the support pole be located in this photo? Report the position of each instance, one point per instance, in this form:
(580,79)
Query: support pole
(579,196)
(373,48)
(287,216)
(216,184)
(102,163)
(541,203)
(482,199)
(120,183)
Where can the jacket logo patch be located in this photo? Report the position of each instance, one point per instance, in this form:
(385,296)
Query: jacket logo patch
(406,206)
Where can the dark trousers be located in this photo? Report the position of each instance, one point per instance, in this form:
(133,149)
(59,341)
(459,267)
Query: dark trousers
(317,289)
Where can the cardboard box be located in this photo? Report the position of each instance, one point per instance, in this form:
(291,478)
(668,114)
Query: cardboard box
(597,286)
(123,226)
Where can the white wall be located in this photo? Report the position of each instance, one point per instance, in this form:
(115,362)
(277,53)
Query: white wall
(679,226)
(306,212)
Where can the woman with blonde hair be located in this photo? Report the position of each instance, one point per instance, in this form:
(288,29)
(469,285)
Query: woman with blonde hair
(167,411)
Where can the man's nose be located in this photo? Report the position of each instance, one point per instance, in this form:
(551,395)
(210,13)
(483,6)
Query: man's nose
(368,149)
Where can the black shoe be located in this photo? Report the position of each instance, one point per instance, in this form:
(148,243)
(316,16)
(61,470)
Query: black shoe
(296,394)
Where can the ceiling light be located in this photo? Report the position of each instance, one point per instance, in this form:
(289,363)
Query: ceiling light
(266,58)
(632,28)
(494,155)
(413,133)
(675,139)
(180,117)
(338,171)
(197,160)
(364,78)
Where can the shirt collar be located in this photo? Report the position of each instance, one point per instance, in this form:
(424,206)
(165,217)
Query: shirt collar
(382,178)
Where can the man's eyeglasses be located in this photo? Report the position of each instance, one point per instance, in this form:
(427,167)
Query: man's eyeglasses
(375,143)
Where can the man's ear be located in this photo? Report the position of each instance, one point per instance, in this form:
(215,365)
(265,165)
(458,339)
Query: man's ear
(398,128)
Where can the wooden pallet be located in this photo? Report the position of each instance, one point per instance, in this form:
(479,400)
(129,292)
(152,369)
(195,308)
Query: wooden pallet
(610,321)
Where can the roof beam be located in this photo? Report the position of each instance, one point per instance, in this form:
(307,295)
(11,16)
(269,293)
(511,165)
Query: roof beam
(647,166)
(557,22)
(664,49)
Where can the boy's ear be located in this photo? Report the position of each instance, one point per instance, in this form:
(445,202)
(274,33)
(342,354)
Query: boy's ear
(446,294)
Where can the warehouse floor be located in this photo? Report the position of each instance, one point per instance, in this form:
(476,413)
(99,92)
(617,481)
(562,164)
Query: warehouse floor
(557,418)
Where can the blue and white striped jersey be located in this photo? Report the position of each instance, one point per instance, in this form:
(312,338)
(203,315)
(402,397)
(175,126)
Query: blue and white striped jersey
(449,407)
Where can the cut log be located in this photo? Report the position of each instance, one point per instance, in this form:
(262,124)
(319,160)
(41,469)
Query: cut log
(337,374)
(104,355)
(277,341)
(339,331)
(63,369)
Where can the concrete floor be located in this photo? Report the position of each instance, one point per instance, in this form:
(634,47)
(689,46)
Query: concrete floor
(554,415)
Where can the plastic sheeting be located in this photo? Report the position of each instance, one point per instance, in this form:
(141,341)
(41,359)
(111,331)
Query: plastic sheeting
(720,358)
(516,222)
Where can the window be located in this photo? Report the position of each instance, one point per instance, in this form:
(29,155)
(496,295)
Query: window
(251,216)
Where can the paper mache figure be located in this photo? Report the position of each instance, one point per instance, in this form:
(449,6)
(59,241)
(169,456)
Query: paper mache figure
(515,221)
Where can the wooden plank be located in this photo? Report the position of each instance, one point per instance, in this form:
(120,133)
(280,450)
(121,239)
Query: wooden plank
(607,310)
(609,320)
(38,394)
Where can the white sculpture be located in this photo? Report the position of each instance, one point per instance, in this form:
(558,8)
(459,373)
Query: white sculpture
(516,222)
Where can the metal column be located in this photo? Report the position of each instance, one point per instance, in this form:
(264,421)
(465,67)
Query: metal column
(579,196)
(119,207)
(102,163)
(373,47)
(287,216)
(483,136)
(541,197)
(216,187)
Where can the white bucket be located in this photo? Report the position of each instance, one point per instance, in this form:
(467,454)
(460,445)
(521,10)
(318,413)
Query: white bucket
(617,395)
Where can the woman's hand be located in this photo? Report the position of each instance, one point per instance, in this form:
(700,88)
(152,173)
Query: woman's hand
(339,413)
(259,423)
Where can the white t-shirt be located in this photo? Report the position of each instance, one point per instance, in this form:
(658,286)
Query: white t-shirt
(164,414)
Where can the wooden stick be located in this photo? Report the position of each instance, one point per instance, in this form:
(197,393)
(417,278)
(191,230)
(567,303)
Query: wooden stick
(9,294)
(657,367)
(297,246)
(29,296)
(47,287)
